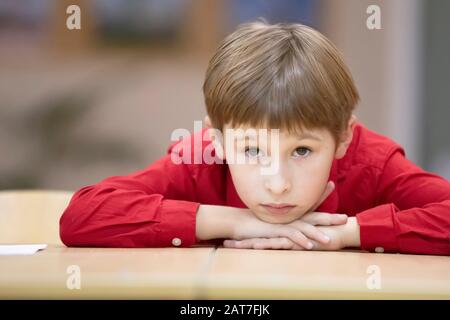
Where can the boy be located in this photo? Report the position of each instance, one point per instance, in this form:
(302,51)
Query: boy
(335,184)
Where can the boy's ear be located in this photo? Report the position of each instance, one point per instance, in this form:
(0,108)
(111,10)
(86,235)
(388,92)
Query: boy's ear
(207,121)
(346,138)
(216,138)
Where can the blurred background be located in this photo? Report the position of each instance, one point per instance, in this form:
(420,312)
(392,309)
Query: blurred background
(77,106)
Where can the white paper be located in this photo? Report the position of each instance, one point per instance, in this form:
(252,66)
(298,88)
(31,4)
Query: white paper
(21,249)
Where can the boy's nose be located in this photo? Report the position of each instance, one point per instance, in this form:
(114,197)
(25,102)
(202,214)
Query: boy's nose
(277,184)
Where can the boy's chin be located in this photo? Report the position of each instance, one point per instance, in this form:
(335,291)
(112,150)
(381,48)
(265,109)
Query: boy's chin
(278,219)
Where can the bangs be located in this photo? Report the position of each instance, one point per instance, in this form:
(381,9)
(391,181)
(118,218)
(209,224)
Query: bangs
(292,100)
(287,78)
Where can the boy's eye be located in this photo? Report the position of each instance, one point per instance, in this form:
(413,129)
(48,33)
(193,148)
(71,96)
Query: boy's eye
(252,152)
(301,152)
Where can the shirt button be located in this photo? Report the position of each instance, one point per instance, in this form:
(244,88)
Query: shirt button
(176,242)
(379,249)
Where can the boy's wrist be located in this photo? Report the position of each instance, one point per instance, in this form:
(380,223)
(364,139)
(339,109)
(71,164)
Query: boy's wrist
(214,222)
(352,233)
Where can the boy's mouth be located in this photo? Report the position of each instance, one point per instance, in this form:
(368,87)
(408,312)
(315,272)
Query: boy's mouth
(278,208)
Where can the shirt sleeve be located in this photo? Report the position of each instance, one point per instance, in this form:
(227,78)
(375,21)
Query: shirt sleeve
(155,207)
(412,213)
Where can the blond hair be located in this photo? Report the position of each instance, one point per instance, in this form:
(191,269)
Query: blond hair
(285,76)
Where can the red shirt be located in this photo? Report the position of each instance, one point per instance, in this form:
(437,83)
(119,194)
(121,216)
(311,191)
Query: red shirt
(399,207)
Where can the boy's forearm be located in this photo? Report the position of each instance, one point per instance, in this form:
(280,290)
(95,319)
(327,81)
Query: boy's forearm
(352,235)
(215,222)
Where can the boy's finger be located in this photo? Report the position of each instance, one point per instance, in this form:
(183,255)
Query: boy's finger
(266,244)
(315,234)
(244,244)
(288,244)
(337,219)
(262,243)
(285,243)
(299,238)
(324,218)
(254,243)
(228,243)
(274,243)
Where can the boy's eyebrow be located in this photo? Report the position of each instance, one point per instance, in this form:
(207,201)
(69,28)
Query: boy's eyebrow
(308,135)
(245,138)
(304,135)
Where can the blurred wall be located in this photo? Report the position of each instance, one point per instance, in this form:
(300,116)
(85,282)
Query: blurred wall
(401,72)
(385,63)
(77,106)
(436,102)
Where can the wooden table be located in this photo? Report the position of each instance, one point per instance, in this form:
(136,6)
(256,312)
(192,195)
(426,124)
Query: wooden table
(219,273)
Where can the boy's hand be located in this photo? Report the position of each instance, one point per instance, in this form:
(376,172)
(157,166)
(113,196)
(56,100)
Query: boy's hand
(299,232)
(342,236)
(319,238)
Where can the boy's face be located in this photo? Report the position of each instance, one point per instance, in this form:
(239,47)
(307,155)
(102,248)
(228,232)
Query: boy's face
(299,178)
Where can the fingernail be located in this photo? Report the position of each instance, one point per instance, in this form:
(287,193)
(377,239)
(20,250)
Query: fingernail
(310,245)
(326,238)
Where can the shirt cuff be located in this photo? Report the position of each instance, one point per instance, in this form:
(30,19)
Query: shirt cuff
(177,224)
(377,231)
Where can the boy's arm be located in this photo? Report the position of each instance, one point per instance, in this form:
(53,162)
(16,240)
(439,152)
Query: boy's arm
(411,215)
(149,208)
(156,208)
(413,212)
